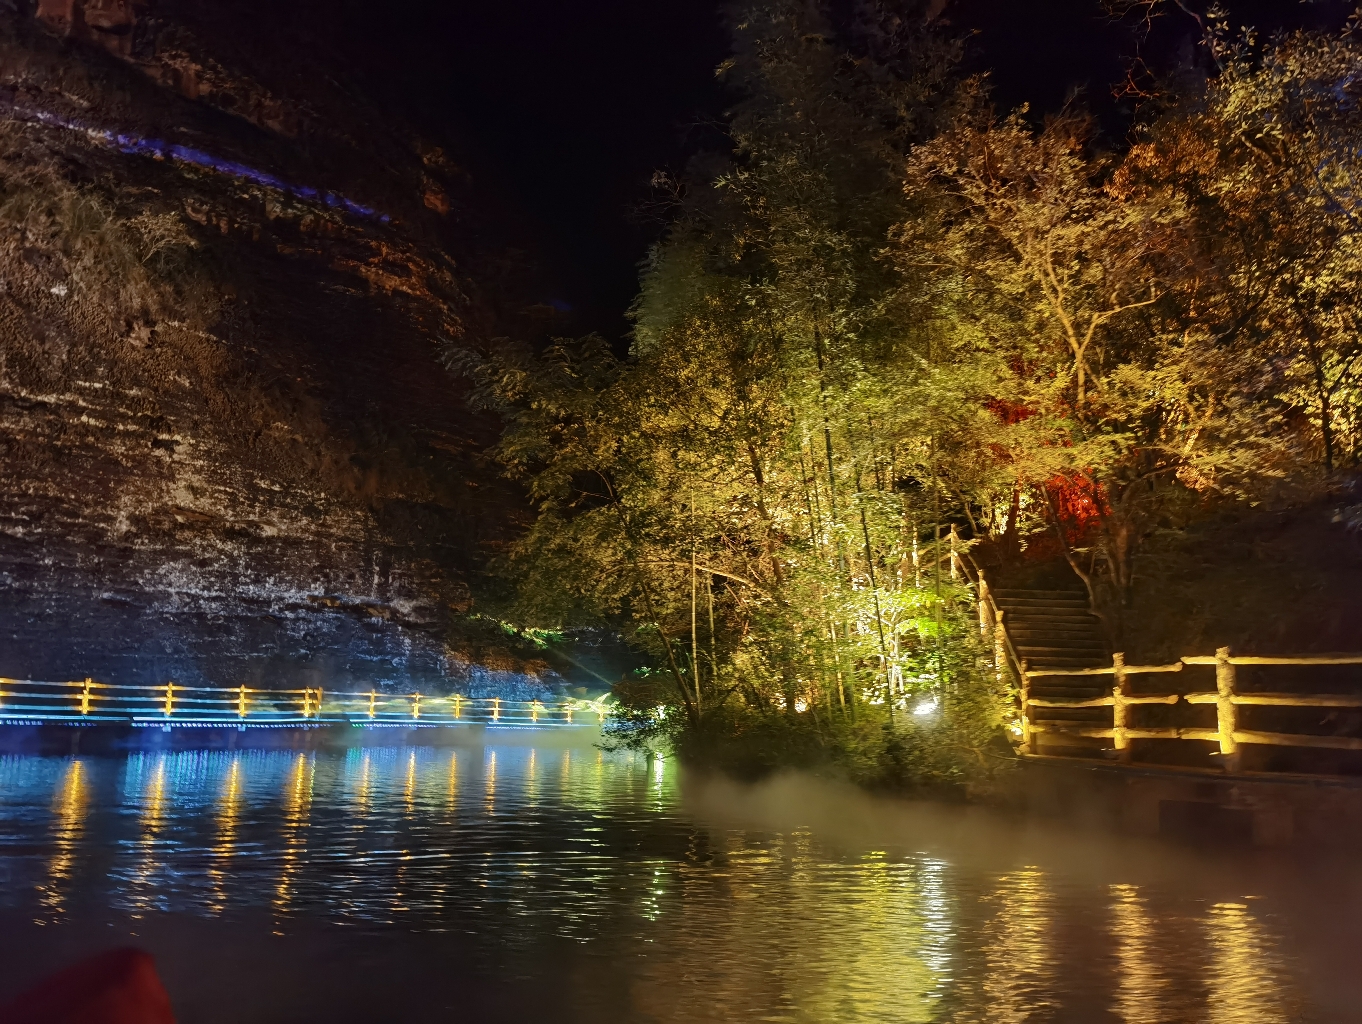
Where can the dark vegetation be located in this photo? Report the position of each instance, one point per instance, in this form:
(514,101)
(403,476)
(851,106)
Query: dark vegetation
(891,307)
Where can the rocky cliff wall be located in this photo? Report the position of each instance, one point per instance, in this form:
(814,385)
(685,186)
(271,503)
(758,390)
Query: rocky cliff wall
(229,450)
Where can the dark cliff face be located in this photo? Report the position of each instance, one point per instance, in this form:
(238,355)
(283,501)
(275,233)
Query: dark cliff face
(230,450)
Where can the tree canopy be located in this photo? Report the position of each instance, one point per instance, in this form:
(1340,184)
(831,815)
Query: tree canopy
(891,308)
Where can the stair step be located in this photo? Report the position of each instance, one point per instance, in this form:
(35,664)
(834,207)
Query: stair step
(1041,597)
(1067,595)
(1063,611)
(1020,636)
(1051,621)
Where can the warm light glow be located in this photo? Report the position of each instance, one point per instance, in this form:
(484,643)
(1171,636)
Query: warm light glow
(229,807)
(491,786)
(152,823)
(453,792)
(926,707)
(1243,980)
(297,804)
(68,811)
(1018,951)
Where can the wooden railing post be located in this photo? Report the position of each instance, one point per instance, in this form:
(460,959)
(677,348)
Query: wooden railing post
(1028,737)
(85,696)
(415,705)
(1119,692)
(1226,716)
(170,697)
(999,646)
(955,559)
(984,623)
(241,701)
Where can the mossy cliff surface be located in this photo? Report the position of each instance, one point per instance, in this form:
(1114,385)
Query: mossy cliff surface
(231,451)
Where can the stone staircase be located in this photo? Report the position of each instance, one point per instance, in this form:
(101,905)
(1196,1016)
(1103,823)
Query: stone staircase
(1054,629)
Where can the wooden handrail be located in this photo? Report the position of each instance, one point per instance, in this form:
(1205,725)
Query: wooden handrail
(1225,697)
(975,575)
(1303,659)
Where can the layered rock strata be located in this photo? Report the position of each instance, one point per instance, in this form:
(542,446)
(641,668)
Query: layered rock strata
(229,449)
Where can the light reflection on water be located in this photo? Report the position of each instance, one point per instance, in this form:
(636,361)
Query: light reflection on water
(596,856)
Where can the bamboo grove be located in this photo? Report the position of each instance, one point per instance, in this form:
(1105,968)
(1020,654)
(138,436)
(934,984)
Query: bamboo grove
(890,308)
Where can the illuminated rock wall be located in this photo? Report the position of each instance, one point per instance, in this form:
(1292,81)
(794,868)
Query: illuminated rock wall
(231,452)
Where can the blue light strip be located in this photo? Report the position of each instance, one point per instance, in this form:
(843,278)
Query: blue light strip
(158,149)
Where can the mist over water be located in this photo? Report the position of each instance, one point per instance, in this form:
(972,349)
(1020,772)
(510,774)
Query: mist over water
(515,883)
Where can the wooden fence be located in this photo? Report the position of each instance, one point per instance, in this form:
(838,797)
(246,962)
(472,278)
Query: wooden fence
(1226,697)
(992,622)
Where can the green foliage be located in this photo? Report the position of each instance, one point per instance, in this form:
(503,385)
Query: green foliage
(890,309)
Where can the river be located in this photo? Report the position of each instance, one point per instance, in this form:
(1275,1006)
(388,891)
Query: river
(543,884)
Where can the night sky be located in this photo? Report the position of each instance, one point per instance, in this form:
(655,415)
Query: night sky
(564,110)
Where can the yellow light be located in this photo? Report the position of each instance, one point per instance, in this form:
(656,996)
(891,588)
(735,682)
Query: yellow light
(496,709)
(372,697)
(170,698)
(85,697)
(415,705)
(458,705)
(68,808)
(240,708)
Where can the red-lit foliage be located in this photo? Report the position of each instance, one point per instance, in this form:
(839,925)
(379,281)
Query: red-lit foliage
(1078,503)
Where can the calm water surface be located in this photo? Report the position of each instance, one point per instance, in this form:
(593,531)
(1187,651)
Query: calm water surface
(517,884)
